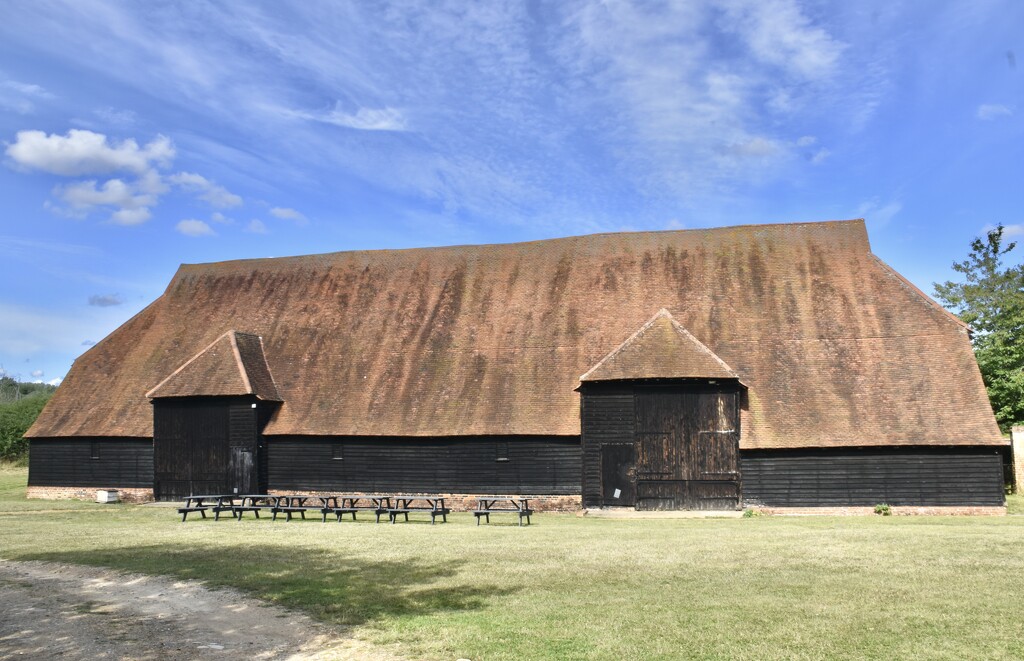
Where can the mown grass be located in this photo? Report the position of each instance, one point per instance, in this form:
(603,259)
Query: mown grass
(578,588)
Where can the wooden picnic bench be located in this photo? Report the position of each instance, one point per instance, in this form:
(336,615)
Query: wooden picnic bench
(203,503)
(405,505)
(488,505)
(289,505)
(353,503)
(255,503)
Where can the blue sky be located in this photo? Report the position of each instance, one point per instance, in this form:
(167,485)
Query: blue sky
(138,136)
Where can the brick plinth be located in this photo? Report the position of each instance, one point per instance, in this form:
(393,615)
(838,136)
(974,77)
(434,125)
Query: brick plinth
(896,511)
(87,493)
(460,502)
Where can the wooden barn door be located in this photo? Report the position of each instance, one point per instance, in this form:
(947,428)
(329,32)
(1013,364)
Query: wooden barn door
(687,442)
(617,475)
(190,448)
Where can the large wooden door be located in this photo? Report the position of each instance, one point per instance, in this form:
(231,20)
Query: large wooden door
(687,442)
(617,479)
(190,449)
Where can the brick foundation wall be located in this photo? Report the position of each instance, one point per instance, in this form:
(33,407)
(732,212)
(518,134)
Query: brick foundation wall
(460,502)
(87,493)
(907,510)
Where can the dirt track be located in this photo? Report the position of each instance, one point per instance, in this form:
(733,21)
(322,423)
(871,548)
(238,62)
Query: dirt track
(50,610)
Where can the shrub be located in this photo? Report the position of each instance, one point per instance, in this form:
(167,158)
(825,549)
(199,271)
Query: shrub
(883,509)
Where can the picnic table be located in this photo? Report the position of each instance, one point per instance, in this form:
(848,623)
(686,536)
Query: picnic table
(217,503)
(433,505)
(488,505)
(255,503)
(297,504)
(360,502)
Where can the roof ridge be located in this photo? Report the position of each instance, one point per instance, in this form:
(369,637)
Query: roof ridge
(186,363)
(239,362)
(479,246)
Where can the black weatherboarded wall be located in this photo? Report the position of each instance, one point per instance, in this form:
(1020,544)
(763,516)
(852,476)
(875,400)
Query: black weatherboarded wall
(548,465)
(91,462)
(921,476)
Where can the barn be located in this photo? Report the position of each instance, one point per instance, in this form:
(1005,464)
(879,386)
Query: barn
(781,366)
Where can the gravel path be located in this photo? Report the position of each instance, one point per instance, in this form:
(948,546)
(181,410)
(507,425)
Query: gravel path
(50,610)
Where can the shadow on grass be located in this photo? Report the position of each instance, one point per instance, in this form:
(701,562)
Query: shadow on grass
(328,586)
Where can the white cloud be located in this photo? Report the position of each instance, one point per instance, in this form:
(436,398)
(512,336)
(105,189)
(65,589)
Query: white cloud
(37,374)
(878,214)
(55,382)
(130,206)
(806,141)
(130,200)
(820,156)
(778,33)
(990,111)
(756,147)
(256,226)
(215,195)
(21,97)
(288,214)
(88,343)
(192,227)
(1008,230)
(363,119)
(82,152)
(218,217)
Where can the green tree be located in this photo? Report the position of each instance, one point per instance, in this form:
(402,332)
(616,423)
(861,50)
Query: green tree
(991,302)
(15,419)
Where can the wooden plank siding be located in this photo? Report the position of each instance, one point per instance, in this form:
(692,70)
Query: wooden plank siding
(91,462)
(205,445)
(852,477)
(607,418)
(548,465)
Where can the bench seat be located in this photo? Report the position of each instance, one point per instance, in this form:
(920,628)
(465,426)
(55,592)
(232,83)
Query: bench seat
(523,513)
(185,511)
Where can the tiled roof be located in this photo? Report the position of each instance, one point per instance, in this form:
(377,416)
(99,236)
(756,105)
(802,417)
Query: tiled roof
(660,349)
(233,365)
(834,347)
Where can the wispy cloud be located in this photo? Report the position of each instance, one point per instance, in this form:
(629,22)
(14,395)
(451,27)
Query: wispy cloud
(363,119)
(878,213)
(288,214)
(21,97)
(192,227)
(990,111)
(13,246)
(1016,229)
(106,300)
(206,190)
(256,226)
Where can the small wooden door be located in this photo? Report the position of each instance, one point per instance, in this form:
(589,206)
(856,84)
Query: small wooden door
(687,441)
(617,480)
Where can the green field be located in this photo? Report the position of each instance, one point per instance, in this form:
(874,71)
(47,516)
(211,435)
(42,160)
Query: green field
(578,588)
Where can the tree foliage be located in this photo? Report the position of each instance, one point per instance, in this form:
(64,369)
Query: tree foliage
(991,301)
(15,419)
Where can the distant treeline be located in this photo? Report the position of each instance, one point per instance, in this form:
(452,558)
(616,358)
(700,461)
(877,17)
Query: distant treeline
(20,404)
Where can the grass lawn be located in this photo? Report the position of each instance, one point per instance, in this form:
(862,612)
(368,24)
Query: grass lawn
(578,588)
